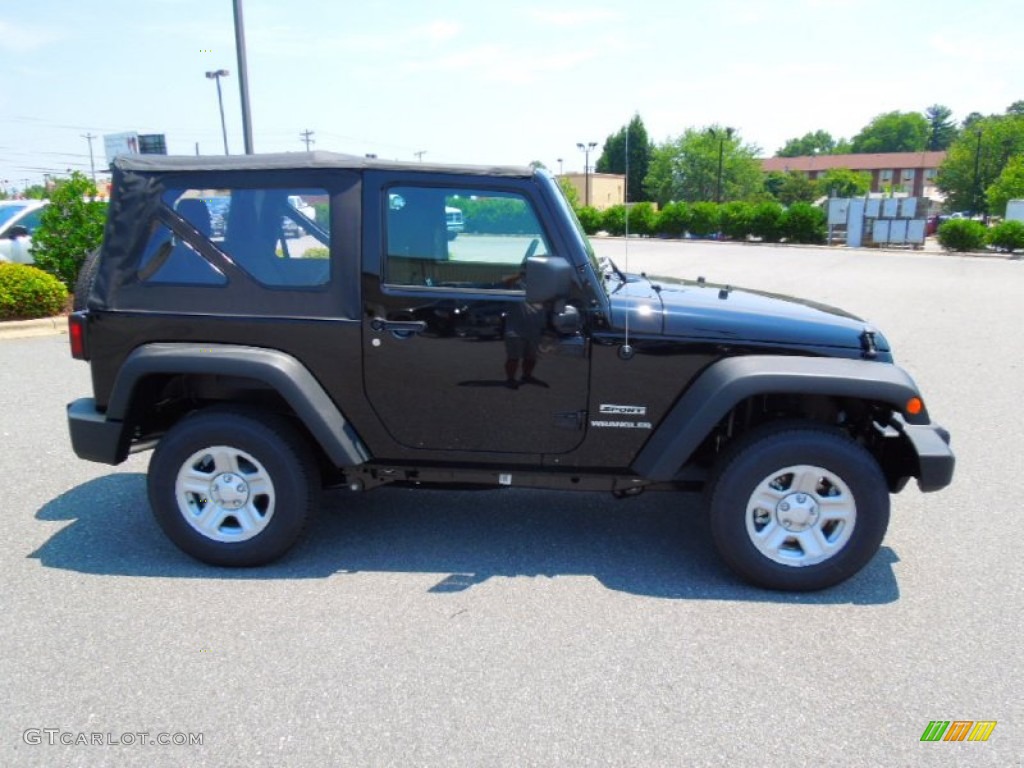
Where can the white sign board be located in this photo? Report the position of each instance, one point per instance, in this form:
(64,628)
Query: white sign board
(120,144)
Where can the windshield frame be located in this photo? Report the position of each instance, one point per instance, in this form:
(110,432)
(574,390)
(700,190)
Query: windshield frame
(583,240)
(12,210)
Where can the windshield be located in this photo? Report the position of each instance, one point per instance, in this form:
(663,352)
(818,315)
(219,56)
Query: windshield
(8,212)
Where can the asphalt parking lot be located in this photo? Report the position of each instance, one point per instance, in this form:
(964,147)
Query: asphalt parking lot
(521,628)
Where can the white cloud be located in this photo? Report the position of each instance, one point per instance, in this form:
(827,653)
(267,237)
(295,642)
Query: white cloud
(575,17)
(24,39)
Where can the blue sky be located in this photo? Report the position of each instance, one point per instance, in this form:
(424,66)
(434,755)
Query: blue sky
(485,82)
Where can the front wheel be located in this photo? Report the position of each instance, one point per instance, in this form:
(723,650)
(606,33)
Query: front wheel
(798,508)
(233,488)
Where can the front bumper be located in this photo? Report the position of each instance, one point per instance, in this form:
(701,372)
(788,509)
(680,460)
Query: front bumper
(94,437)
(935,460)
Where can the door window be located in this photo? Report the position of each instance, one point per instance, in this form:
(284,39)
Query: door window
(467,238)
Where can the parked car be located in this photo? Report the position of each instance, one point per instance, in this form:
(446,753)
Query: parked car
(19,219)
(261,370)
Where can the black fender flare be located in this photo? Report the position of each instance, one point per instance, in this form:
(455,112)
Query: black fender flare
(278,370)
(724,384)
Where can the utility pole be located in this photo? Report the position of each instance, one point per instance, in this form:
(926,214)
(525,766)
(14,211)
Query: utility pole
(92,165)
(306,136)
(420,154)
(559,166)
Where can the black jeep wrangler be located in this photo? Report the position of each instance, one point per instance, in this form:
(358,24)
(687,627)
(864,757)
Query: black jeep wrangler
(277,324)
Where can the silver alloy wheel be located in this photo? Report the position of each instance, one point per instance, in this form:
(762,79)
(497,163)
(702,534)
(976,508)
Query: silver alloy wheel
(801,515)
(225,494)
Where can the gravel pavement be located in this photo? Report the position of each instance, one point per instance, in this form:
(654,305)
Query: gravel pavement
(527,628)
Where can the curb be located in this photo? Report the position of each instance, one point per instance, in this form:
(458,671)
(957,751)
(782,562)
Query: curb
(44,326)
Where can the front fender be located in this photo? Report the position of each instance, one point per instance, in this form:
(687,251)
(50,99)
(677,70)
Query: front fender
(728,382)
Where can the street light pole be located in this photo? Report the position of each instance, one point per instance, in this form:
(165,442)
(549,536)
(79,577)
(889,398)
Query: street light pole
(243,78)
(585,148)
(220,100)
(559,166)
(722,137)
(977,176)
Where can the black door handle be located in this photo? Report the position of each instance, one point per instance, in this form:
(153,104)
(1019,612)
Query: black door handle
(398,326)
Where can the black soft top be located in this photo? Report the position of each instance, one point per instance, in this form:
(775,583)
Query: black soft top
(300,161)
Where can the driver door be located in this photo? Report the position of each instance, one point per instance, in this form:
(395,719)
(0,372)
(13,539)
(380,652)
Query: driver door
(454,357)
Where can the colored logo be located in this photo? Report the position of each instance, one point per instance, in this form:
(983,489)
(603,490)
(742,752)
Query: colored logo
(958,730)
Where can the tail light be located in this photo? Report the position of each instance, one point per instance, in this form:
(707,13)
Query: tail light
(77,335)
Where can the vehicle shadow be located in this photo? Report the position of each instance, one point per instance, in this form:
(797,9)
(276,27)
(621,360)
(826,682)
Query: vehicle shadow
(657,544)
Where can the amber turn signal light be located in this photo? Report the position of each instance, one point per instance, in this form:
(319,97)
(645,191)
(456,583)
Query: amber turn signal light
(914,406)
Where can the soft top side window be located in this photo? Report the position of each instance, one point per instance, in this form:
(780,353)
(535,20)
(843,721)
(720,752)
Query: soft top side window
(279,236)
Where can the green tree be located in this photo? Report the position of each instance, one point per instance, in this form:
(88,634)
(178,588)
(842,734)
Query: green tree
(816,143)
(766,222)
(893,132)
(35,192)
(1017,108)
(941,128)
(970,120)
(535,164)
(803,223)
(962,235)
(797,188)
(977,158)
(571,193)
(704,219)
(1009,186)
(686,168)
(735,219)
(613,157)
(842,182)
(70,227)
(642,218)
(1007,237)
(673,220)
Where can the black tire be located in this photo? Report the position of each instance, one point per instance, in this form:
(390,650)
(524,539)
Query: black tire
(86,277)
(793,549)
(262,453)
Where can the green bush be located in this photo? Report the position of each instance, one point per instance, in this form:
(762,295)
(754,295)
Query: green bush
(704,219)
(962,235)
(642,218)
(1008,236)
(69,228)
(27,292)
(735,220)
(590,219)
(673,220)
(804,223)
(766,222)
(613,220)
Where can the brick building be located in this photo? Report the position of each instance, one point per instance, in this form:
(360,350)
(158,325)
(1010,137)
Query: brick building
(911,173)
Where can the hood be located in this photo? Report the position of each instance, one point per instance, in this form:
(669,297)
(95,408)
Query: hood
(721,314)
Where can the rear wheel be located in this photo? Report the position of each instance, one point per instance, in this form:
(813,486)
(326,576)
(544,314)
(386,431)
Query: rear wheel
(233,488)
(798,508)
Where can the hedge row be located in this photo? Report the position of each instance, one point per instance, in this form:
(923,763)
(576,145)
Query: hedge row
(27,292)
(769,222)
(969,235)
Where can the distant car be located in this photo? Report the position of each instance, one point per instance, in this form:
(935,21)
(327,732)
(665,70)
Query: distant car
(19,219)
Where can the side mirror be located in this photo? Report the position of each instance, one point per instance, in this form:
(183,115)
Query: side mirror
(567,321)
(17,231)
(547,278)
